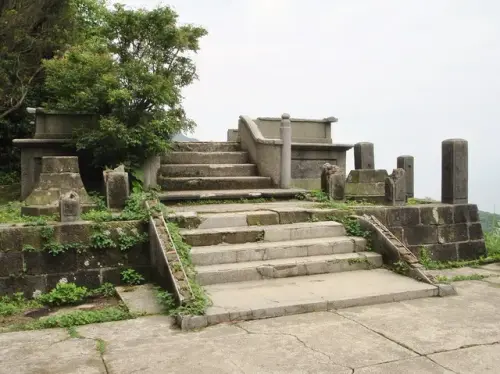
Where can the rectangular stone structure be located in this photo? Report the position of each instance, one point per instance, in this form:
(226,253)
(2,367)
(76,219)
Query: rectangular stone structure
(395,188)
(407,164)
(117,188)
(69,207)
(333,181)
(364,157)
(454,171)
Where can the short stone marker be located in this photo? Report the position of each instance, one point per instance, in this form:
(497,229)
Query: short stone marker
(364,156)
(395,187)
(455,172)
(407,163)
(333,181)
(69,207)
(117,187)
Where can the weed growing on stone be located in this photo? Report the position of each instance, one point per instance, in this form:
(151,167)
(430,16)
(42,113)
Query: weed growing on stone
(401,267)
(166,300)
(458,278)
(73,333)
(430,264)
(131,277)
(100,346)
(200,301)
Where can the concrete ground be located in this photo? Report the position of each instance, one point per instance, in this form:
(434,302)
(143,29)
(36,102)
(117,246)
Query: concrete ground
(458,334)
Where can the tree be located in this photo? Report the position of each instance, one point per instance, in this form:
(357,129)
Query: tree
(31,31)
(130,72)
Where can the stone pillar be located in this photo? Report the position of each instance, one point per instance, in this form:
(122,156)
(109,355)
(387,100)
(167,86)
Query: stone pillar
(454,171)
(150,171)
(364,157)
(395,187)
(333,181)
(117,187)
(69,207)
(286,151)
(406,163)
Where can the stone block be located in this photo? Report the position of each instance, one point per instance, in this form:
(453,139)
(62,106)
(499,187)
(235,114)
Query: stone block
(438,252)
(37,263)
(111,275)
(453,233)
(263,218)
(406,163)
(293,216)
(361,190)
(73,233)
(403,216)
(398,232)
(69,207)
(364,156)
(476,231)
(117,188)
(60,164)
(100,258)
(139,255)
(379,212)
(436,215)
(367,176)
(11,239)
(395,188)
(454,171)
(446,290)
(415,235)
(88,278)
(471,250)
(25,283)
(466,213)
(11,263)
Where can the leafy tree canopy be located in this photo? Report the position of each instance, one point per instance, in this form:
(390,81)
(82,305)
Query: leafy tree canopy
(130,69)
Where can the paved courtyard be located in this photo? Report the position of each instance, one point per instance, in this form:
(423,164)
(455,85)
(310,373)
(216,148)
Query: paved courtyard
(459,334)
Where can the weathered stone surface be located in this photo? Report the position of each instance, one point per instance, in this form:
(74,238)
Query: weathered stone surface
(407,164)
(140,299)
(38,263)
(22,283)
(260,218)
(466,213)
(11,263)
(471,250)
(403,216)
(420,234)
(454,171)
(438,252)
(367,176)
(333,181)
(117,188)
(476,231)
(69,207)
(61,164)
(395,187)
(364,157)
(453,233)
(436,215)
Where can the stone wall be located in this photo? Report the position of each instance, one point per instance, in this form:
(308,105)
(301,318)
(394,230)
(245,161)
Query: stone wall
(27,271)
(449,232)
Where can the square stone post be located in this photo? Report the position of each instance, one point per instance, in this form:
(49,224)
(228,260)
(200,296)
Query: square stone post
(406,163)
(395,187)
(333,181)
(455,171)
(364,157)
(69,207)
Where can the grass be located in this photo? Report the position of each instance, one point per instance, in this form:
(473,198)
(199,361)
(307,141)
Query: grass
(459,278)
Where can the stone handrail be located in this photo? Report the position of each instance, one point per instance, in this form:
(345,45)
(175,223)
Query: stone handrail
(256,133)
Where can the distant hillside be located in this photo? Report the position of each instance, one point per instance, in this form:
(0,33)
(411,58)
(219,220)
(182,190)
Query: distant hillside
(488,220)
(183,138)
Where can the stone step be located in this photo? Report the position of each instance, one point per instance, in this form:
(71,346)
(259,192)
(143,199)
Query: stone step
(271,233)
(225,254)
(208,170)
(267,193)
(207,146)
(205,158)
(233,302)
(213,183)
(286,267)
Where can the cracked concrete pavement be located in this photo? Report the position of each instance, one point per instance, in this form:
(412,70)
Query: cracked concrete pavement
(459,334)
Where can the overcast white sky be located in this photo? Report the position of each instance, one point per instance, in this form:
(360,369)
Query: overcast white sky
(404,75)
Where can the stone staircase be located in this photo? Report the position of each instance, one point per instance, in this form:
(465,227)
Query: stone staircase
(253,270)
(210,170)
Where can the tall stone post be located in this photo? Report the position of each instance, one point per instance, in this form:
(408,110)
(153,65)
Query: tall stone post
(406,163)
(364,157)
(286,151)
(150,171)
(395,188)
(455,171)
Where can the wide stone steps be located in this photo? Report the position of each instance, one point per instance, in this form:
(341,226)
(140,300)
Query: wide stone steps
(207,170)
(263,251)
(213,183)
(206,147)
(271,233)
(287,267)
(233,302)
(268,193)
(205,158)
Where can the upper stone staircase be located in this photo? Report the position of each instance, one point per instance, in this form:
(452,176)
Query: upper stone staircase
(210,170)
